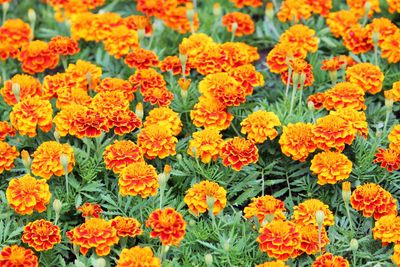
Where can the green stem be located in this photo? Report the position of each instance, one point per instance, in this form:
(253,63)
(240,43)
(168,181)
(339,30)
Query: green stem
(320,239)
(388,111)
(293,97)
(64,62)
(349,217)
(288,81)
(301,97)
(66,183)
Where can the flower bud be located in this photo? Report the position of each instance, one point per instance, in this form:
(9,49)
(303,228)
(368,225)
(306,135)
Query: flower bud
(346,191)
(295,78)
(78,263)
(319,215)
(190,14)
(32,16)
(179,157)
(16,89)
(167,171)
(375,37)
(208,259)
(389,103)
(141,33)
(354,244)
(100,262)
(367,7)
(6,6)
(192,222)
(333,76)
(210,203)
(234,27)
(226,246)
(217,11)
(57,206)
(302,79)
(89,79)
(269,218)
(269,11)
(64,160)
(26,159)
(139,110)
(310,105)
(56,136)
(162,180)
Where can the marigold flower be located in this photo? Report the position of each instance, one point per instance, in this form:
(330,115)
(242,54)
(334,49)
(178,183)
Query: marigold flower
(302,37)
(165,116)
(137,22)
(387,229)
(90,210)
(344,95)
(126,226)
(137,256)
(388,158)
(156,142)
(140,58)
(294,10)
(333,64)
(26,194)
(356,39)
(94,233)
(160,96)
(396,254)
(168,224)
(332,131)
(37,57)
(194,45)
(358,6)
(309,239)
(63,120)
(279,239)
(390,48)
(146,80)
(357,119)
(238,152)
(383,26)
(278,58)
(124,121)
(7,50)
(72,95)
(317,100)
(86,74)
(299,66)
(304,213)
(87,123)
(174,65)
(8,154)
(210,113)
(394,138)
(331,167)
(394,6)
(15,32)
(248,77)
(6,130)
(368,76)
(41,235)
(239,54)
(243,3)
(107,25)
(46,159)
(265,206)
(138,178)
(328,259)
(244,23)
(196,197)
(373,200)
(28,87)
(110,84)
(273,264)
(297,141)
(206,144)
(322,7)
(177,19)
(18,256)
(394,93)
(64,46)
(120,154)
(108,102)
(121,41)
(259,126)
(53,83)
(340,21)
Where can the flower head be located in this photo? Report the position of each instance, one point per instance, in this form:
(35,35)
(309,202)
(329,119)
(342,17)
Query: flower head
(272,264)
(356,39)
(294,10)
(309,239)
(394,138)
(177,18)
(328,259)
(300,67)
(41,235)
(260,126)
(64,46)
(90,210)
(18,256)
(120,41)
(126,226)
(344,95)
(8,154)
(368,76)
(137,257)
(388,158)
(278,58)
(304,213)
(140,58)
(15,32)
(265,206)
(6,130)
(238,152)
(110,84)
(120,154)
(387,229)
(37,57)
(85,74)
(164,116)
(390,48)
(357,119)
(302,37)
(248,77)
(205,144)
(28,87)
(87,123)
(244,23)
(331,167)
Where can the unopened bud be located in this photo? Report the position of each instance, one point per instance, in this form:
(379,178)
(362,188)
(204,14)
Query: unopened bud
(78,263)
(6,6)
(226,246)
(16,89)
(167,171)
(32,16)
(367,7)
(100,262)
(139,110)
(346,191)
(190,14)
(311,105)
(208,259)
(162,180)
(295,78)
(217,11)
(64,160)
(26,159)
(57,206)
(269,217)
(89,79)
(269,11)
(354,244)
(56,136)
(192,222)
(234,28)
(319,215)
(375,37)
(179,157)
(389,103)
(210,203)
(141,33)
(333,76)
(302,79)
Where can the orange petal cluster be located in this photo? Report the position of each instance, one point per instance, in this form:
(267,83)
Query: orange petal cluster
(238,152)
(260,126)
(41,235)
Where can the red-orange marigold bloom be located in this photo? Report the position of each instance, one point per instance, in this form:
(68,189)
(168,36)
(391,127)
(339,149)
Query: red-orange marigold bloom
(126,226)
(344,95)
(137,22)
(294,10)
(6,130)
(211,60)
(210,113)
(140,58)
(297,140)
(146,80)
(388,158)
(41,235)
(137,257)
(108,102)
(160,96)
(357,119)
(15,32)
(90,210)
(194,45)
(358,6)
(120,41)
(18,256)
(8,154)
(394,138)
(373,200)
(110,84)
(120,154)
(328,259)
(138,178)
(238,152)
(7,50)
(166,117)
(46,159)
(340,21)
(72,95)
(260,126)
(26,194)
(390,48)
(248,77)
(272,264)
(88,123)
(300,36)
(206,144)
(356,39)
(394,6)
(322,7)
(387,229)
(301,67)
(94,233)
(331,167)
(332,131)
(196,197)
(278,58)
(124,121)
(174,65)
(53,83)
(279,239)
(243,3)
(309,239)
(37,57)
(28,87)
(154,141)
(333,64)
(64,119)
(86,74)
(168,224)
(304,213)
(65,46)
(244,23)
(383,26)
(317,100)
(154,7)
(262,207)
(176,18)
(30,114)
(368,76)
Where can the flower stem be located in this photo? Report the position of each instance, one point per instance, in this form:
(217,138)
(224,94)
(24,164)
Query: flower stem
(349,217)
(66,183)
(292,98)
(288,81)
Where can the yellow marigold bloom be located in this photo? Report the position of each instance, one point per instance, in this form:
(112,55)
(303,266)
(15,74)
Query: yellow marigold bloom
(86,74)
(390,48)
(389,159)
(6,130)
(62,45)
(328,259)
(273,264)
(373,200)
(344,95)
(394,138)
(383,26)
(137,257)
(356,39)
(206,144)
(358,6)
(104,24)
(302,37)
(138,178)
(196,197)
(260,126)
(331,167)
(154,141)
(165,116)
(194,45)
(18,256)
(248,77)
(394,6)
(368,76)
(15,32)
(309,239)
(110,84)
(120,154)
(141,58)
(396,252)
(26,194)
(244,23)
(210,113)
(265,206)
(340,21)
(120,41)
(8,154)
(357,119)
(332,131)
(46,159)
(322,7)
(81,26)
(279,239)
(28,87)
(294,10)
(304,213)
(297,140)
(94,233)
(30,114)
(126,226)
(72,95)
(278,58)
(394,93)
(387,229)
(168,224)
(41,235)
(64,119)
(238,152)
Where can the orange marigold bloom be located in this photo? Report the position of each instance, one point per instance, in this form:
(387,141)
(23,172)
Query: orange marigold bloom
(160,96)
(299,66)
(279,239)
(244,23)
(317,100)
(239,54)
(26,194)
(15,32)
(87,123)
(46,159)
(124,121)
(260,126)
(8,154)
(137,22)
(278,58)
(373,200)
(356,39)
(210,113)
(388,158)
(86,74)
(154,7)
(265,206)
(394,6)
(294,10)
(302,37)
(6,130)
(328,259)
(331,167)
(304,213)
(383,26)
(194,45)
(7,50)
(176,18)
(110,84)
(108,102)
(339,22)
(90,210)
(30,114)
(137,257)
(121,41)
(344,95)
(297,140)
(168,224)
(206,144)
(53,83)
(238,152)
(273,264)
(105,25)
(322,7)
(248,77)
(368,76)
(64,119)
(28,87)
(166,117)
(309,239)
(146,80)
(394,93)
(140,58)
(138,178)
(357,119)
(332,131)
(396,252)
(94,233)
(120,154)
(212,60)
(394,138)
(126,226)
(41,235)
(358,6)
(18,256)
(243,3)
(174,65)
(154,141)
(387,229)
(72,95)
(82,26)
(333,64)
(37,57)
(390,48)
(65,46)
(196,197)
